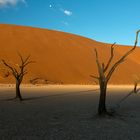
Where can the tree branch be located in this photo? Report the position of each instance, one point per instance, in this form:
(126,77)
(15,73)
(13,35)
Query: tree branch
(94,77)
(26,59)
(14,71)
(28,63)
(111,57)
(21,58)
(122,59)
(100,70)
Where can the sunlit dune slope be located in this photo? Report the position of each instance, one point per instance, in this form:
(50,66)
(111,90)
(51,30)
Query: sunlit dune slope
(61,57)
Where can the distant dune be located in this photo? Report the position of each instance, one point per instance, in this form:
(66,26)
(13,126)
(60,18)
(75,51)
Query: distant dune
(60,57)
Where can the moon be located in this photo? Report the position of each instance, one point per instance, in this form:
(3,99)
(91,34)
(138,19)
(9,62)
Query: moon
(50,6)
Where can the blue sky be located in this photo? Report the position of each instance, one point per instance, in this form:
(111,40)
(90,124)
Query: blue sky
(102,20)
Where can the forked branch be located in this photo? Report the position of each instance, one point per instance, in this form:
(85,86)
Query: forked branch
(111,57)
(122,59)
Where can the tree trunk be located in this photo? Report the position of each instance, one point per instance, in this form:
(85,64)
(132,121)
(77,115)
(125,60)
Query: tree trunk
(18,95)
(102,100)
(135,88)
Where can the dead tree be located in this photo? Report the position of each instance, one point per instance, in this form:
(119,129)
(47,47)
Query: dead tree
(136,80)
(18,71)
(105,72)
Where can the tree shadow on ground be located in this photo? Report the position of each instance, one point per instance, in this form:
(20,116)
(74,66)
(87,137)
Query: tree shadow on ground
(59,95)
(54,95)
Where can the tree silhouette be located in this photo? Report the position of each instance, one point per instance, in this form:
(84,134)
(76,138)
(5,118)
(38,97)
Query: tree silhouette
(105,72)
(18,71)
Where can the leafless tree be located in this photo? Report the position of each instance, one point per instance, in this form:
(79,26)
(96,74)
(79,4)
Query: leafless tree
(105,72)
(18,71)
(136,80)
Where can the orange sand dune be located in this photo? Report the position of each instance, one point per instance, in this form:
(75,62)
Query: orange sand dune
(62,57)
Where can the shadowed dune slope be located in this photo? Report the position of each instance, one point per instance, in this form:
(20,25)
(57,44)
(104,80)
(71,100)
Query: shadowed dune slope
(62,57)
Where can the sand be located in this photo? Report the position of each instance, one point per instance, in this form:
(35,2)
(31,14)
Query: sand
(57,112)
(62,58)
